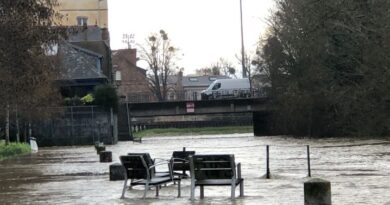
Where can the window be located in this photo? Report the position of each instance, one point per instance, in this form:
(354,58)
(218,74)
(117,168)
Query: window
(193,79)
(82,21)
(217,86)
(118,76)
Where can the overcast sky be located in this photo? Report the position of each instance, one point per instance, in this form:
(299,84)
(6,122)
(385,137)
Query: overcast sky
(204,30)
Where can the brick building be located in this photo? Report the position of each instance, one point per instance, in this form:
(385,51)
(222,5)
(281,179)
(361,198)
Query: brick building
(130,79)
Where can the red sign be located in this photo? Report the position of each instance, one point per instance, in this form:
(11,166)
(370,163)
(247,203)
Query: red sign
(190,107)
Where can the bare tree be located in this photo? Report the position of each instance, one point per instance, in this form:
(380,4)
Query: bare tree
(251,65)
(160,55)
(221,67)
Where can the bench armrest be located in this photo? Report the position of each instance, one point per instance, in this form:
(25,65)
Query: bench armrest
(158,164)
(167,162)
(158,160)
(238,170)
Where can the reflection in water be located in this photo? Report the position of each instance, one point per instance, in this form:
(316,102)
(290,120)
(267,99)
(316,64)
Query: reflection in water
(358,169)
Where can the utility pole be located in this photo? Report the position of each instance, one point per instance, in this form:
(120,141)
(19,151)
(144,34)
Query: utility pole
(244,73)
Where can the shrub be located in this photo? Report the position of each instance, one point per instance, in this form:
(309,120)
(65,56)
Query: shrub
(13,149)
(106,97)
(88,99)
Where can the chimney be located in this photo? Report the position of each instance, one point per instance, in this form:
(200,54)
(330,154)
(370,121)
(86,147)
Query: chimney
(179,83)
(105,34)
(133,56)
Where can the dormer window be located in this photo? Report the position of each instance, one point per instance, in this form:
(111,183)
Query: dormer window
(82,21)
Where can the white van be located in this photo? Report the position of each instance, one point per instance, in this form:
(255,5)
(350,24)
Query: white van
(226,88)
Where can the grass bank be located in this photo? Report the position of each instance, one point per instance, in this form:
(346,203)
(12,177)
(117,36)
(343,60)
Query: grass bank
(193,131)
(13,149)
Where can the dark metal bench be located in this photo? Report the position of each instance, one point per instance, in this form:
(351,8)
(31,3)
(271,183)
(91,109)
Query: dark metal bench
(180,160)
(215,170)
(150,162)
(140,173)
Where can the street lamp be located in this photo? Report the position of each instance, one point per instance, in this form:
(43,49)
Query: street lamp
(244,73)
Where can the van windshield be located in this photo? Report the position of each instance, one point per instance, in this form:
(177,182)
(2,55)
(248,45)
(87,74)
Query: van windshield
(216,86)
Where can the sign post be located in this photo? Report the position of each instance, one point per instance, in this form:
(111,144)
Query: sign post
(190,107)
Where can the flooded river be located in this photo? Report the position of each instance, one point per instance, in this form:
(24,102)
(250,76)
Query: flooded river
(359,171)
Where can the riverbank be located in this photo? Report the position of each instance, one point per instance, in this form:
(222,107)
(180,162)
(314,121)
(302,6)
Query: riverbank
(13,149)
(193,131)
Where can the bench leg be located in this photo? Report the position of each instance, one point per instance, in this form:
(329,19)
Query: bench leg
(124,189)
(146,190)
(201,192)
(233,193)
(242,188)
(192,191)
(131,181)
(157,190)
(178,189)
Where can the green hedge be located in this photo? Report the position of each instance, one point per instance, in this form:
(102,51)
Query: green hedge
(13,149)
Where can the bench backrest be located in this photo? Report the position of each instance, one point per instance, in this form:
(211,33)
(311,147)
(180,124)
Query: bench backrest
(205,167)
(147,158)
(135,165)
(180,164)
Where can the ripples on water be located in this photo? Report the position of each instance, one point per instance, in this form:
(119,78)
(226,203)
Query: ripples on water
(358,170)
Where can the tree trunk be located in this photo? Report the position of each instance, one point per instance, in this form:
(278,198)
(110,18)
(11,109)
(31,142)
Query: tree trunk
(7,125)
(25,131)
(29,130)
(17,125)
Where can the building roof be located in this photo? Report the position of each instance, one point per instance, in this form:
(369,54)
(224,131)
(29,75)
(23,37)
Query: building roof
(78,63)
(200,81)
(101,48)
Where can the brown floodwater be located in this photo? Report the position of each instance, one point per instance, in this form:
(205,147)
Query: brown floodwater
(359,171)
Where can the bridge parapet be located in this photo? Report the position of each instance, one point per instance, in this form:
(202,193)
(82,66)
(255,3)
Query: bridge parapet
(172,108)
(179,96)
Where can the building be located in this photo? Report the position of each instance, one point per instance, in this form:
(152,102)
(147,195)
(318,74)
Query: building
(86,22)
(81,70)
(130,80)
(83,12)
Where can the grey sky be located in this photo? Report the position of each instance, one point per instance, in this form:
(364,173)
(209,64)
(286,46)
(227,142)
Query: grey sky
(204,30)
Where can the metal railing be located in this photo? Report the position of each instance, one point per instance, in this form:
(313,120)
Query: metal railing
(143,97)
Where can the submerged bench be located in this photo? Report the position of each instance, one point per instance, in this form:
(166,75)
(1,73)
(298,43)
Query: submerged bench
(215,170)
(180,160)
(139,172)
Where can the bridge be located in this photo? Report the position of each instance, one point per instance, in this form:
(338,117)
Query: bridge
(171,108)
(139,114)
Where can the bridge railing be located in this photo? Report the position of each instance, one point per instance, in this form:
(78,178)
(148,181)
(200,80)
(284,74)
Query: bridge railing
(143,97)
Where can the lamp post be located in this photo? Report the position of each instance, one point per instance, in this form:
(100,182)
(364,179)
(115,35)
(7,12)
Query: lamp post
(244,73)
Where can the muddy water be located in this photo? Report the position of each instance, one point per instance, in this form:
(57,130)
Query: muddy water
(359,171)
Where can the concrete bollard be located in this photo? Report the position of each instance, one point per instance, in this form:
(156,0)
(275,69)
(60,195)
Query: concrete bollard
(117,172)
(105,156)
(317,192)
